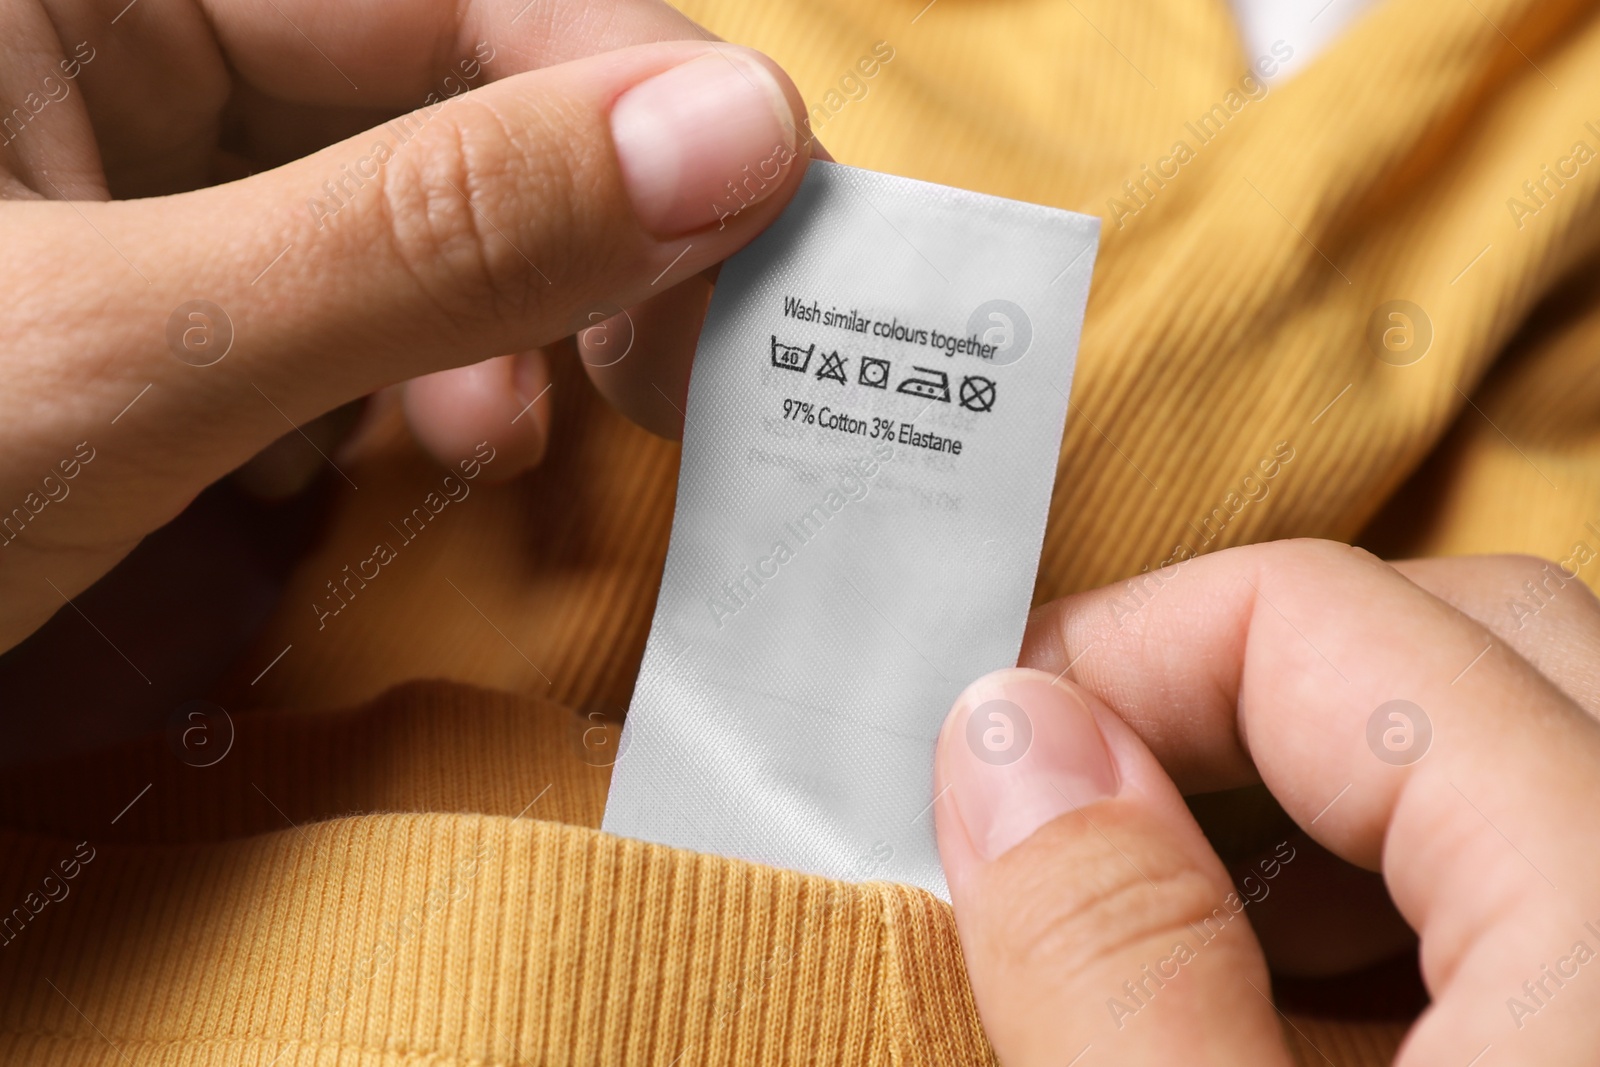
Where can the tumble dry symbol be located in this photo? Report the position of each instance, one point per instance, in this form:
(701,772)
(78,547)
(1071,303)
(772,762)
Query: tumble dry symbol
(791,357)
(832,367)
(977,393)
(929,383)
(933,385)
(874,372)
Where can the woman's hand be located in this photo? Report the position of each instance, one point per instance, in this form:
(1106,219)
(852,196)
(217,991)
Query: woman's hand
(1406,717)
(152,345)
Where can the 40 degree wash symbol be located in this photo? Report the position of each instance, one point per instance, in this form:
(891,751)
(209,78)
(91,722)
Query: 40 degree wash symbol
(791,357)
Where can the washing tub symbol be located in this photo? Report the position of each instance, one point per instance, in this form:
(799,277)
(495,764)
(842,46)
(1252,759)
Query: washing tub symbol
(791,357)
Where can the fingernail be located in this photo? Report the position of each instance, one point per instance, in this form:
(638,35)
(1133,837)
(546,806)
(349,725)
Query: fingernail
(703,141)
(1020,750)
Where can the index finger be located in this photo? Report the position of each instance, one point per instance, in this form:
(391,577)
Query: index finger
(392,52)
(1401,735)
(155,89)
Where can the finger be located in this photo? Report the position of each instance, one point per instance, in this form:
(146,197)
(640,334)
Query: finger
(46,142)
(397,51)
(1469,796)
(503,401)
(1326,918)
(485,226)
(640,359)
(1541,608)
(163,74)
(1093,915)
(286,467)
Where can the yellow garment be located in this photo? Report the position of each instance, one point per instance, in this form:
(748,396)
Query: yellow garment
(420,881)
(238,914)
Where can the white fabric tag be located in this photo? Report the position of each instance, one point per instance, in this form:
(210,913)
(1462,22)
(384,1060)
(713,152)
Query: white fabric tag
(874,421)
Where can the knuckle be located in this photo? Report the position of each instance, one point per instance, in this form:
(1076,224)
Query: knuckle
(1307,571)
(1318,554)
(470,211)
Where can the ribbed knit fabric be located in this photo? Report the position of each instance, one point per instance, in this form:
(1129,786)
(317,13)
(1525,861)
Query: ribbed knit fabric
(420,881)
(471,914)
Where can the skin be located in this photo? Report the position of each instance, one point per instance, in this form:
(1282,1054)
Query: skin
(1263,664)
(179,165)
(499,228)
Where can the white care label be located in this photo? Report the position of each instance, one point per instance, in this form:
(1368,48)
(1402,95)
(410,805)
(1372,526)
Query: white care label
(874,421)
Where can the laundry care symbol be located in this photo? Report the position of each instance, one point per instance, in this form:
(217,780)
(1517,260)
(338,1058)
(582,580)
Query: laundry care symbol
(791,357)
(932,385)
(874,372)
(977,393)
(832,367)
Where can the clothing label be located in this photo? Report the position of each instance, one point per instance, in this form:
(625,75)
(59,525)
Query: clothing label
(874,421)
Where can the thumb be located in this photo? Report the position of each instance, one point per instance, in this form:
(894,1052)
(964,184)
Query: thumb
(492,222)
(497,221)
(1098,925)
(180,335)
